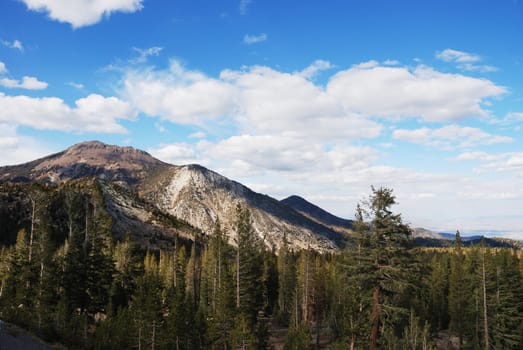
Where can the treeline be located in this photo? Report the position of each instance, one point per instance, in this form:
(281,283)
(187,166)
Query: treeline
(88,291)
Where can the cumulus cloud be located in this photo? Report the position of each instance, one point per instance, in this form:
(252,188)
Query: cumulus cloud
(3,68)
(18,149)
(269,101)
(176,153)
(259,154)
(80,13)
(178,95)
(28,83)
(422,92)
(259,100)
(92,113)
(450,136)
(254,39)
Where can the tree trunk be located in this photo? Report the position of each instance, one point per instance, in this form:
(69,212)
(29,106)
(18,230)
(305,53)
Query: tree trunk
(32,229)
(375,318)
(305,301)
(238,276)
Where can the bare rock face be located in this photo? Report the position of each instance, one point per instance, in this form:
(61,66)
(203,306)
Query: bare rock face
(201,197)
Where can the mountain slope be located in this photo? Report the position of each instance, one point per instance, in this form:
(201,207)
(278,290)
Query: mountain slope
(201,197)
(317,214)
(126,166)
(57,208)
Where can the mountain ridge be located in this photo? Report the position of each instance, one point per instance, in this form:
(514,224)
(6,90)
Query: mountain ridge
(191,193)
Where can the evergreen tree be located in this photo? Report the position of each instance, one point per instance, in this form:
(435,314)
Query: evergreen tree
(286,282)
(385,259)
(439,291)
(459,291)
(508,304)
(249,264)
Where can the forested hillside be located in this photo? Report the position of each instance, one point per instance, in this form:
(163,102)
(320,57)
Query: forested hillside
(71,282)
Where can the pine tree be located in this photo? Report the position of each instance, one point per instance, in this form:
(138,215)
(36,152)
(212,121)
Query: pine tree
(249,286)
(508,304)
(439,291)
(286,282)
(218,289)
(385,259)
(459,291)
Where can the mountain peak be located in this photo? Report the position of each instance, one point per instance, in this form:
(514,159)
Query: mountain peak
(124,165)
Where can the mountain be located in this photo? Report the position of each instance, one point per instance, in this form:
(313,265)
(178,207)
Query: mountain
(317,214)
(147,196)
(126,166)
(202,196)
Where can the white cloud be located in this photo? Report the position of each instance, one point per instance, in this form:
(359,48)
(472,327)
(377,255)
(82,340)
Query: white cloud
(18,149)
(481,156)
(3,68)
(254,39)
(261,100)
(144,54)
(80,13)
(391,62)
(177,153)
(260,154)
(197,135)
(77,86)
(511,118)
(93,113)
(316,67)
(508,162)
(28,83)
(450,55)
(178,95)
(477,68)
(16,44)
(244,4)
(423,92)
(269,101)
(514,117)
(450,136)
(464,60)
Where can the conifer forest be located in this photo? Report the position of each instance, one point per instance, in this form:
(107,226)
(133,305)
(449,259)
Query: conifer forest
(67,279)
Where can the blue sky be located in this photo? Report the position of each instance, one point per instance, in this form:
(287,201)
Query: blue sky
(321,99)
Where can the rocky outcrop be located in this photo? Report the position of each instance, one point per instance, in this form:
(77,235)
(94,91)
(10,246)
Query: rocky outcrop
(202,197)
